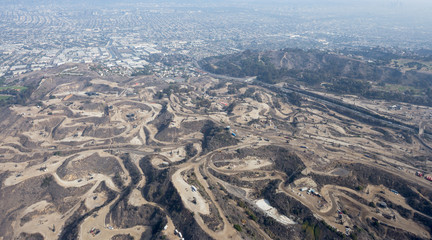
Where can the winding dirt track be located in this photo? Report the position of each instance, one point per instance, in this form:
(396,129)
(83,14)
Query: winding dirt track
(228,232)
(329,192)
(136,143)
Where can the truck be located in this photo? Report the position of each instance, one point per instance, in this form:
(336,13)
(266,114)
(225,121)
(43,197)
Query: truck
(394,191)
(419,174)
(429,178)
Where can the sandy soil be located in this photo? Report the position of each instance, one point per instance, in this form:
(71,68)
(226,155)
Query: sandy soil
(273,212)
(98,222)
(188,196)
(323,140)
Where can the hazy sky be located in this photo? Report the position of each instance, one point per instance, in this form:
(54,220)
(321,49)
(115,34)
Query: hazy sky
(406,20)
(406,4)
(418,10)
(410,13)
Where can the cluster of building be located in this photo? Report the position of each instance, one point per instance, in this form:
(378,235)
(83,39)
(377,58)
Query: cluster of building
(34,40)
(310,191)
(129,38)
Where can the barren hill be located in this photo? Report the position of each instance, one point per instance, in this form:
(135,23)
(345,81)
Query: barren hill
(86,156)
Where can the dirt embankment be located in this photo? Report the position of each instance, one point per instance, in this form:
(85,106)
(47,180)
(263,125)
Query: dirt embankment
(123,215)
(312,228)
(122,237)
(162,123)
(417,197)
(216,137)
(363,175)
(73,169)
(32,191)
(34,236)
(283,159)
(160,190)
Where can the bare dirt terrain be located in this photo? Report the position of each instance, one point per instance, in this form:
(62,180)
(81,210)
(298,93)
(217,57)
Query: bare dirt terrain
(94,157)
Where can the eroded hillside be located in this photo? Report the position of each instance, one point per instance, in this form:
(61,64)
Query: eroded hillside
(87,156)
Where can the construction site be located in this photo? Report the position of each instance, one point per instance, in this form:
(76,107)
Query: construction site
(115,157)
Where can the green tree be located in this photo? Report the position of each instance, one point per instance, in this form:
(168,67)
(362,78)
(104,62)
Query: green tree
(238,227)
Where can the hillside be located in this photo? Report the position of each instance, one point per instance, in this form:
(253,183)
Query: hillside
(373,79)
(91,156)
